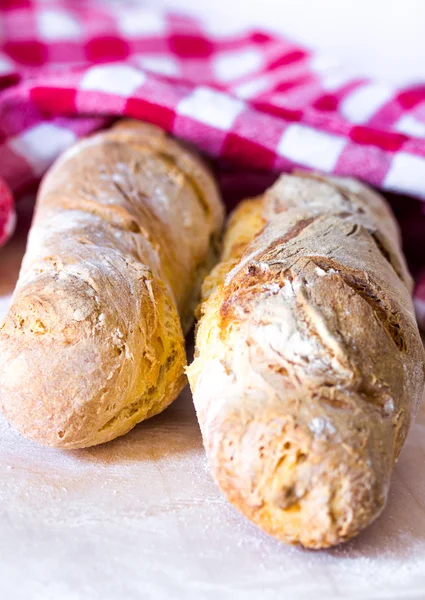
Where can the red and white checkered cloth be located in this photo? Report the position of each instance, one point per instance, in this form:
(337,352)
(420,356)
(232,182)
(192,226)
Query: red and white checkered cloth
(256,102)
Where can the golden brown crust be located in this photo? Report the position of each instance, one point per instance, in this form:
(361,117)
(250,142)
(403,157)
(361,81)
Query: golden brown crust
(308,363)
(123,233)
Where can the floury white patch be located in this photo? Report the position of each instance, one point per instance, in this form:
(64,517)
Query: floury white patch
(321,427)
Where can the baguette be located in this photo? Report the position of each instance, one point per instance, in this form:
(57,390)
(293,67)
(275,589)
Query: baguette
(125,228)
(308,362)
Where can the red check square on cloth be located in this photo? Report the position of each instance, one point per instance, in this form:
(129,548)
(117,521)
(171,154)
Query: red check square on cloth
(256,103)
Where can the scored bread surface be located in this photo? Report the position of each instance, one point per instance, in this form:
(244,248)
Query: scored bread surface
(308,363)
(125,228)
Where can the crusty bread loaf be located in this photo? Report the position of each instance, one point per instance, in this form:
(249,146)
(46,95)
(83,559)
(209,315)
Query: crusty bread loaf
(125,229)
(308,363)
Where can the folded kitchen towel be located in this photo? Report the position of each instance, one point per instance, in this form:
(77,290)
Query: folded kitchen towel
(256,103)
